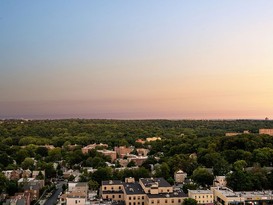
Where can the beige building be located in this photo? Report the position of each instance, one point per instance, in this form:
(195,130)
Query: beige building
(151,139)
(159,191)
(220,181)
(138,160)
(225,196)
(110,153)
(76,199)
(133,193)
(266,132)
(122,151)
(112,190)
(141,141)
(201,196)
(77,194)
(142,152)
(147,191)
(180,176)
(88,148)
(230,134)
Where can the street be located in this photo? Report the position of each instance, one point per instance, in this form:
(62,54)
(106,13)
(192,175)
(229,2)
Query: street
(53,198)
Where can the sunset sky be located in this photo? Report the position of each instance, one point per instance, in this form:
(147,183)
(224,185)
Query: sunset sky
(136,59)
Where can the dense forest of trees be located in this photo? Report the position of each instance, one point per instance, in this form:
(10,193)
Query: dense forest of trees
(190,145)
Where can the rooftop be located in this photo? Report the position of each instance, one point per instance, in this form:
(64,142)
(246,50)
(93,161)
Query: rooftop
(112,182)
(133,188)
(148,182)
(81,184)
(247,194)
(201,191)
(169,195)
(76,195)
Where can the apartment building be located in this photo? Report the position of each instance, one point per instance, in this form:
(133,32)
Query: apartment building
(151,139)
(160,192)
(110,153)
(133,193)
(76,199)
(225,196)
(142,152)
(138,160)
(180,176)
(141,141)
(201,196)
(122,151)
(266,132)
(112,190)
(77,194)
(220,181)
(148,191)
(88,148)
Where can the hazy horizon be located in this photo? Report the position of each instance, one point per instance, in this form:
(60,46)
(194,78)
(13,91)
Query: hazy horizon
(136,59)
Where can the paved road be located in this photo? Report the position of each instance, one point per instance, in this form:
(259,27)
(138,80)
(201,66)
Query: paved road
(53,199)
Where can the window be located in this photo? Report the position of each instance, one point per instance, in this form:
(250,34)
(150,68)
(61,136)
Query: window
(138,197)
(106,196)
(142,197)
(129,198)
(179,200)
(168,190)
(119,187)
(113,196)
(119,196)
(129,203)
(134,198)
(172,200)
(105,188)
(166,201)
(152,201)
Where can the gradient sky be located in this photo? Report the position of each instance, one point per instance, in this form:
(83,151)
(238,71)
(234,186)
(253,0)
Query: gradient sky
(136,59)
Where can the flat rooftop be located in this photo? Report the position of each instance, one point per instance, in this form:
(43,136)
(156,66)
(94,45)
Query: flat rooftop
(148,182)
(246,194)
(133,188)
(177,194)
(201,191)
(112,182)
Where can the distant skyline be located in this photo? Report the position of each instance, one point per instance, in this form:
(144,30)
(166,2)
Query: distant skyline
(136,59)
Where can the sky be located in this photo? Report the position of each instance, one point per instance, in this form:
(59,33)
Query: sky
(136,59)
